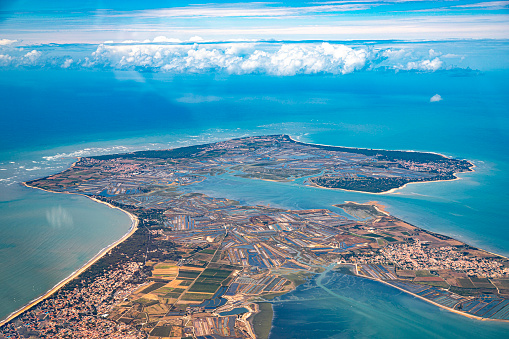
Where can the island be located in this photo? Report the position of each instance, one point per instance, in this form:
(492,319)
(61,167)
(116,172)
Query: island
(201,266)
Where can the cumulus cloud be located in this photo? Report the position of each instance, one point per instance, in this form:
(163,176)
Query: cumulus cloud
(31,57)
(196,38)
(4,42)
(436,98)
(288,59)
(424,65)
(5,59)
(67,63)
(164,54)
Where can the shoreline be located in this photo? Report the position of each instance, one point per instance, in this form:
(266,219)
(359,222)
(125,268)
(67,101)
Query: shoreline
(392,190)
(93,260)
(374,149)
(432,302)
(382,209)
(378,206)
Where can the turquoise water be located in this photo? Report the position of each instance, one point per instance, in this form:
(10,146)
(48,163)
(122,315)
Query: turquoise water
(44,237)
(335,305)
(98,113)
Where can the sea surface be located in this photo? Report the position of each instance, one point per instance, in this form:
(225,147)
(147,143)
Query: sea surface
(44,237)
(335,305)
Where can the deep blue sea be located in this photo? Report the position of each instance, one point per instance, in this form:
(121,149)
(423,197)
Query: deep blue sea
(49,117)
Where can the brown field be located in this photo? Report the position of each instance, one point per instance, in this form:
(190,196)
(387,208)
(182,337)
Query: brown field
(191,268)
(423,279)
(406,273)
(164,270)
(465,283)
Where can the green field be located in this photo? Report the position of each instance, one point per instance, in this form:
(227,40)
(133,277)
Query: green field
(204,287)
(216,273)
(173,295)
(262,321)
(208,251)
(434,283)
(153,287)
(161,331)
(188,274)
(196,296)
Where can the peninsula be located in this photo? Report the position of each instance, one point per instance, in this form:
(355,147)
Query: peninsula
(203,267)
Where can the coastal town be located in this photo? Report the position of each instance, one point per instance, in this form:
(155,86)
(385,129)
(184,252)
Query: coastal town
(199,266)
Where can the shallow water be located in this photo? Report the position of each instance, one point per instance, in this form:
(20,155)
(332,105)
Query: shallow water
(343,306)
(45,236)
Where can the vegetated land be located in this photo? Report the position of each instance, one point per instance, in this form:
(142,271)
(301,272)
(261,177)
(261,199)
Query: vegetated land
(276,157)
(262,320)
(196,264)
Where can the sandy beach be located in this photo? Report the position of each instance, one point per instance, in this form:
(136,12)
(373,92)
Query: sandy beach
(132,229)
(432,302)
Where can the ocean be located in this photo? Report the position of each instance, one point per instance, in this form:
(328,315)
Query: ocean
(44,237)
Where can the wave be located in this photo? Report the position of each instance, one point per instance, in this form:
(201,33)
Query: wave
(89,151)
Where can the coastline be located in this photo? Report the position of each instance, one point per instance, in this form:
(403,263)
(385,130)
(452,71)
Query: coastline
(259,321)
(93,260)
(434,303)
(373,149)
(381,208)
(392,190)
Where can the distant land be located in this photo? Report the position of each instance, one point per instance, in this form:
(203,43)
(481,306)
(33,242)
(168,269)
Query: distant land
(195,265)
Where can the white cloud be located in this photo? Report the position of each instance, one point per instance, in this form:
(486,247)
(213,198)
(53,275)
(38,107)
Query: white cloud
(4,42)
(162,38)
(451,56)
(31,57)
(253,10)
(490,5)
(5,59)
(196,38)
(288,59)
(423,65)
(433,54)
(281,59)
(67,63)
(436,98)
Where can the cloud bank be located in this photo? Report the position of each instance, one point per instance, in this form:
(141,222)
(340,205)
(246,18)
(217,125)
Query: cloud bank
(280,59)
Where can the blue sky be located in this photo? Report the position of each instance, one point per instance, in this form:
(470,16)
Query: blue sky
(336,37)
(97,21)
